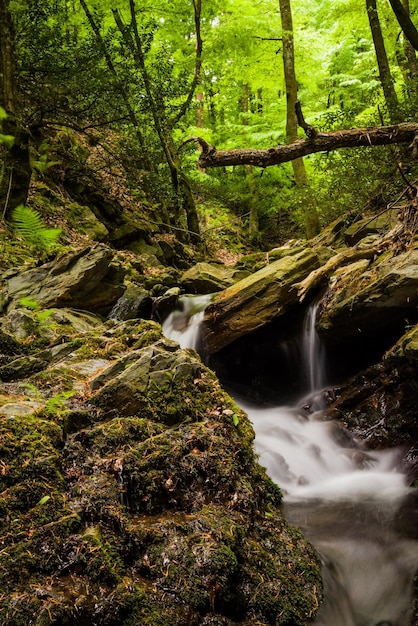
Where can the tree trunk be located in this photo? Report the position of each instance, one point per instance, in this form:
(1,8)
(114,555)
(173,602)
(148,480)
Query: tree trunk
(405,22)
(406,132)
(412,63)
(145,162)
(385,76)
(200,109)
(179,181)
(17,172)
(299,170)
(253,222)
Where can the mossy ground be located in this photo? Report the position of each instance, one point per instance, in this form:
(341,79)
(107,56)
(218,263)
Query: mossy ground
(133,496)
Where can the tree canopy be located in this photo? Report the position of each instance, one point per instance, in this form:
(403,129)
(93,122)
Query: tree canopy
(158,74)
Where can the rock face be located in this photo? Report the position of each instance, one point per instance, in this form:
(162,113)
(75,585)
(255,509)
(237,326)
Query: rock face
(254,301)
(205,278)
(129,490)
(86,280)
(370,227)
(382,297)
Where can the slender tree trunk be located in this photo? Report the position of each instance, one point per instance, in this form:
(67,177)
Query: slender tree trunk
(253,222)
(16,175)
(299,170)
(260,101)
(180,182)
(145,162)
(405,22)
(200,109)
(382,62)
(411,57)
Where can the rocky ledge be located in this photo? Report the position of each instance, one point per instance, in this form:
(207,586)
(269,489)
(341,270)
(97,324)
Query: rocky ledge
(130,493)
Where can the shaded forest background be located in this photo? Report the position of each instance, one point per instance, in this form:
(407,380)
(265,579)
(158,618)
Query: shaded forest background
(123,86)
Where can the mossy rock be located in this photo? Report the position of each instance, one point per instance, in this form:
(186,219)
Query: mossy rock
(147,505)
(86,222)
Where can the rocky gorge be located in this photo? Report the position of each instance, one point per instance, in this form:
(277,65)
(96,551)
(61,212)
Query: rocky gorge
(130,490)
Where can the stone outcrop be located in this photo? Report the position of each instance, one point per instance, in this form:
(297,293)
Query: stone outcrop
(86,279)
(256,300)
(129,490)
(372,226)
(373,300)
(205,278)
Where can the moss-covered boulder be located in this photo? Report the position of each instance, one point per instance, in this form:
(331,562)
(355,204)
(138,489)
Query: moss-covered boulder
(206,277)
(132,495)
(86,279)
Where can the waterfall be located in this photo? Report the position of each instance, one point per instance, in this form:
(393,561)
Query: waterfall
(350,502)
(312,352)
(183,324)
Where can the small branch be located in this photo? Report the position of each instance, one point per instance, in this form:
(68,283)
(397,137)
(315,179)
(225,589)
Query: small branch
(310,131)
(268,38)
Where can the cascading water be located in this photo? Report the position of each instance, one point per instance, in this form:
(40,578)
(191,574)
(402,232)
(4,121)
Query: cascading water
(351,503)
(183,324)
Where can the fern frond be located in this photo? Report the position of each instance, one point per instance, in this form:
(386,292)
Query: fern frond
(30,226)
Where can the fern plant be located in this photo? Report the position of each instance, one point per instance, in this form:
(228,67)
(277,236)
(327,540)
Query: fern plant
(29,225)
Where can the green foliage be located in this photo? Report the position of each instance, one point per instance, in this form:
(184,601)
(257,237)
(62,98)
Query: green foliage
(65,76)
(29,225)
(57,405)
(28,303)
(7,140)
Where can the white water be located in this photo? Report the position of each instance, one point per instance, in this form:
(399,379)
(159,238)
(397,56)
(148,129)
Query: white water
(345,499)
(183,324)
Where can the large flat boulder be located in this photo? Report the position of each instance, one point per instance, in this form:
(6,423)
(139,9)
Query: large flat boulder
(256,300)
(86,279)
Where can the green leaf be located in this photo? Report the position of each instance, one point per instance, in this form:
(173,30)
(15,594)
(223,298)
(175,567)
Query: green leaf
(44,500)
(3,114)
(235,419)
(7,140)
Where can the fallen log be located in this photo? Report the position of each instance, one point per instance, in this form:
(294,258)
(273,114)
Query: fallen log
(406,132)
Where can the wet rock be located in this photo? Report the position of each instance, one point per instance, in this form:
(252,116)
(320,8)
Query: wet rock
(254,301)
(375,302)
(163,305)
(85,279)
(135,303)
(205,278)
(380,405)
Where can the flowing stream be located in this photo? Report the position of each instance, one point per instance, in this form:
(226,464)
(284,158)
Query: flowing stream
(353,504)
